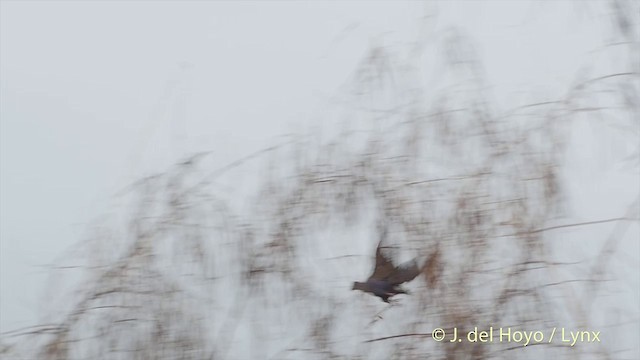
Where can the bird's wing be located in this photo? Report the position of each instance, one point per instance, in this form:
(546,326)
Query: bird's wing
(403,273)
(384,267)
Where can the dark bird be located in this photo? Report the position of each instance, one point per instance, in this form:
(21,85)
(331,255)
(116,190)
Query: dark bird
(386,278)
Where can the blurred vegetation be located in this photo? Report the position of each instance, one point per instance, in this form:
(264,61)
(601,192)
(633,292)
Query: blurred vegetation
(188,272)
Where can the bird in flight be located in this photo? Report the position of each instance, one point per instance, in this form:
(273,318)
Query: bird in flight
(386,278)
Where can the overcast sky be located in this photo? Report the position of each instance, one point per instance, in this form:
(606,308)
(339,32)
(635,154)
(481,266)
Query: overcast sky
(97,94)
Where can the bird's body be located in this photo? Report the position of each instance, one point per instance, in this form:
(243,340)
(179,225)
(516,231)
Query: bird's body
(386,278)
(379,288)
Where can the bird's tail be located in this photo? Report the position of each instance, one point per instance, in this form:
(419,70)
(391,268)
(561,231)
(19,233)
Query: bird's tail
(399,290)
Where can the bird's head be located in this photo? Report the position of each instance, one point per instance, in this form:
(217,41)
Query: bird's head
(359,286)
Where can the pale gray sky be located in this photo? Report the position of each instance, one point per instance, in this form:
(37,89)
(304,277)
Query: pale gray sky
(97,94)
